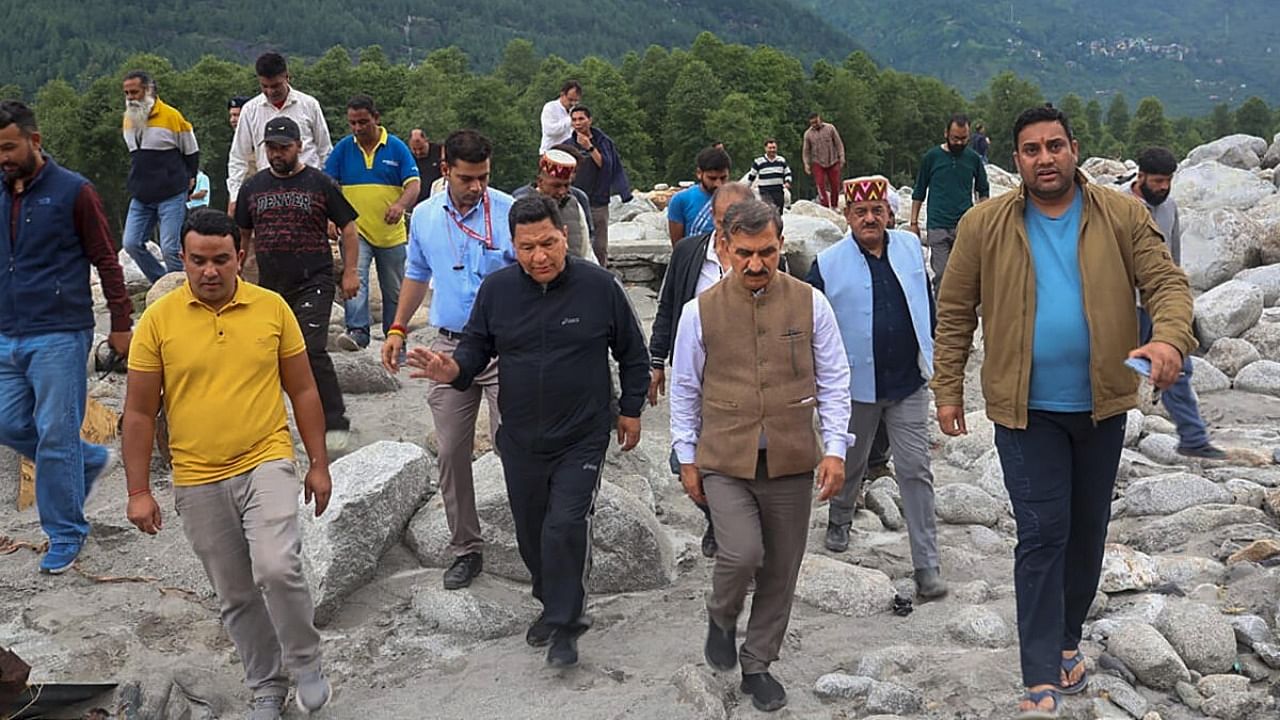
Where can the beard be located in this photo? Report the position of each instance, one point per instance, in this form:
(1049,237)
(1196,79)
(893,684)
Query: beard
(956,149)
(22,170)
(1153,197)
(284,167)
(137,111)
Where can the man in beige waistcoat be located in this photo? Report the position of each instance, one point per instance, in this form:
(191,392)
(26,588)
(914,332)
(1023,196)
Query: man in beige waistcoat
(756,356)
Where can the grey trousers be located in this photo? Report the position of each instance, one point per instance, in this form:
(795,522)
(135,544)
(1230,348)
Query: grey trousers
(907,422)
(600,244)
(762,525)
(940,242)
(454,414)
(245,531)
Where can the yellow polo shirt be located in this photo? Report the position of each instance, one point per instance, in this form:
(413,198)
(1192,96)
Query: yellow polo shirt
(221,369)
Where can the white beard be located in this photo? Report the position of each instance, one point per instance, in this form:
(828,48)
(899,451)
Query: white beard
(136,112)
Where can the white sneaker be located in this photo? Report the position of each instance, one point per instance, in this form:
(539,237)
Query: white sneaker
(337,442)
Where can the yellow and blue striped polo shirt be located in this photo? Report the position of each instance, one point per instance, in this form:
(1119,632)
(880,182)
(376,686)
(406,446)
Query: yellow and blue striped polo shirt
(373,182)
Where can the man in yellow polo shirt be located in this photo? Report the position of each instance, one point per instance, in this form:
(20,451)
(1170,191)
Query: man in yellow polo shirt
(379,177)
(217,350)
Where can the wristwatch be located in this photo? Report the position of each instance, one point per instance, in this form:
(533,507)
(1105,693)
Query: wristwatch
(591,149)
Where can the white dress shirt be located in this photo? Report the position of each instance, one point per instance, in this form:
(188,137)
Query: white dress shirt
(711,271)
(830,364)
(557,126)
(247,146)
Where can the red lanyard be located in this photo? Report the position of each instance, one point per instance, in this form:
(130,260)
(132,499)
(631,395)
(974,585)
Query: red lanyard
(487,238)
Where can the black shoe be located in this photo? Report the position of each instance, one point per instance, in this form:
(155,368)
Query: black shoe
(539,633)
(766,693)
(463,571)
(1208,451)
(837,539)
(709,546)
(563,652)
(721,650)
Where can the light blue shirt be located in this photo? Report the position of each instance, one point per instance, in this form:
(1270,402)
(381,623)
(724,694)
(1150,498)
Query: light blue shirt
(202,183)
(437,246)
(691,207)
(1060,380)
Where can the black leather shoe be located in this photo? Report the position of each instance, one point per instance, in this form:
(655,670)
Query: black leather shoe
(563,652)
(721,650)
(837,539)
(709,546)
(539,633)
(463,570)
(766,693)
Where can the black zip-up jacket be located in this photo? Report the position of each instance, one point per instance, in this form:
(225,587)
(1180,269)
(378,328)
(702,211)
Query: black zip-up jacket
(552,344)
(679,286)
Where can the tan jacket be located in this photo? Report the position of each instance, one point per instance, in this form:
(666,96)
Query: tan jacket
(1120,249)
(759,377)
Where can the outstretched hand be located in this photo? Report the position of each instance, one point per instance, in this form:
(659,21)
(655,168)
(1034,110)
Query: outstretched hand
(432,365)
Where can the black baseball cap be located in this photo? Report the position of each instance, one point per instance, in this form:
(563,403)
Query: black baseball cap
(281,130)
(237,102)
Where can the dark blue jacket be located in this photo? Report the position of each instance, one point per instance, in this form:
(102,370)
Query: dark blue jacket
(44,285)
(553,345)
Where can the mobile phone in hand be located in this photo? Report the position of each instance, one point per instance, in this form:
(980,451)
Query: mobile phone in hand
(1140,365)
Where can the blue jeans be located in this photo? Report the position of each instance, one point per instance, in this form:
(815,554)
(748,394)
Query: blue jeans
(390,275)
(142,220)
(42,402)
(1179,399)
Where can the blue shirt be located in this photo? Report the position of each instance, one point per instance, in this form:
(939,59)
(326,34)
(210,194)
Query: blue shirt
(1060,380)
(373,182)
(439,249)
(202,183)
(691,207)
(893,338)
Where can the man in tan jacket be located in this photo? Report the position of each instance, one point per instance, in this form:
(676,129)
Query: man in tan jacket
(757,355)
(1055,266)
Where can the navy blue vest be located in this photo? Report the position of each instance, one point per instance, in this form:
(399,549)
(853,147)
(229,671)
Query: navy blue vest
(44,282)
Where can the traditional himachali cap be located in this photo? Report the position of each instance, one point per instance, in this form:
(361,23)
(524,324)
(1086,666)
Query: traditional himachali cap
(867,187)
(558,164)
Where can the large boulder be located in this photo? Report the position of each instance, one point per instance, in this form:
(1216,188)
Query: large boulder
(1205,378)
(1217,243)
(1265,336)
(1104,167)
(1230,355)
(1238,151)
(1267,214)
(1211,185)
(809,208)
(844,589)
(1202,636)
(1125,569)
(976,626)
(1228,697)
(1271,158)
(620,212)
(361,372)
(964,504)
(164,285)
(1227,310)
(805,238)
(486,610)
(1172,531)
(1267,278)
(1167,494)
(376,489)
(1147,655)
(1261,377)
(629,549)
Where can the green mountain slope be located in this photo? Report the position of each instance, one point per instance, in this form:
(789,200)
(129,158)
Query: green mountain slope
(1191,53)
(73,39)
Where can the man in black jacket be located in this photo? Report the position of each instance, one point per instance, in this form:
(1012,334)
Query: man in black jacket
(695,266)
(551,321)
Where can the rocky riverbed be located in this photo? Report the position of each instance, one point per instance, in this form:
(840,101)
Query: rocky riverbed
(1184,626)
